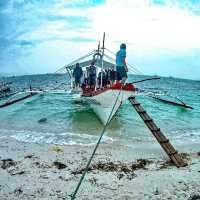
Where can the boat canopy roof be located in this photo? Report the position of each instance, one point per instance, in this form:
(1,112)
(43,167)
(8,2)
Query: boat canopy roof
(96,56)
(87,63)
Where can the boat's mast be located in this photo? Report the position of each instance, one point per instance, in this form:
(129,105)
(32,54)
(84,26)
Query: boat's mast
(103,47)
(98,46)
(98,53)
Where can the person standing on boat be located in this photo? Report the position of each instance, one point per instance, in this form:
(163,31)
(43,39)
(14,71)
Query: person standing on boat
(112,76)
(121,66)
(92,75)
(77,74)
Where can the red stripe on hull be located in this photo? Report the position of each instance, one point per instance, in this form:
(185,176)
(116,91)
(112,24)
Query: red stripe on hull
(116,86)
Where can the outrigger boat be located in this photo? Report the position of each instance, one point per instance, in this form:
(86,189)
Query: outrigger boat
(101,98)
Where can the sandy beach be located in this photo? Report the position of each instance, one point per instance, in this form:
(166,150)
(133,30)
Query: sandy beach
(42,171)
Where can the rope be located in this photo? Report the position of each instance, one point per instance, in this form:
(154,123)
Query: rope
(81,58)
(155,95)
(113,60)
(58,86)
(75,61)
(73,196)
(133,68)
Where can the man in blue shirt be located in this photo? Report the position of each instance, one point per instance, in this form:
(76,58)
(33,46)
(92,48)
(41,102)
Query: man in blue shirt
(121,67)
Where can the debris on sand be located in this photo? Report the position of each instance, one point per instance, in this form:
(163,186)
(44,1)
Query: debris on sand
(141,164)
(93,181)
(57,149)
(166,164)
(119,167)
(18,191)
(17,173)
(120,175)
(169,163)
(194,197)
(59,165)
(156,192)
(30,156)
(185,156)
(41,165)
(6,163)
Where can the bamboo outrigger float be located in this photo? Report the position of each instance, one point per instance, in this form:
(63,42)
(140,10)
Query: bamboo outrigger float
(11,102)
(181,104)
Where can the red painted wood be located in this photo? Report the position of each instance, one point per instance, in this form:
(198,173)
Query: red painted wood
(117,86)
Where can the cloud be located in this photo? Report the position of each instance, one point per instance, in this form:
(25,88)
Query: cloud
(191,5)
(83,4)
(147,25)
(28,20)
(81,39)
(27,25)
(156,31)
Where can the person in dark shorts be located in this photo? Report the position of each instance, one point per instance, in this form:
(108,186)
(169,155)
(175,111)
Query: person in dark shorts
(112,76)
(92,75)
(121,66)
(77,74)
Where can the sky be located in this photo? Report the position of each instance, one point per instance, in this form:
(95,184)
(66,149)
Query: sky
(40,36)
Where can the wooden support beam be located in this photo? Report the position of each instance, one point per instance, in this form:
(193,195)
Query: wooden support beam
(157,133)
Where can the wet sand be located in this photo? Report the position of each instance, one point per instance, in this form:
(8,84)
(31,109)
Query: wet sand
(41,171)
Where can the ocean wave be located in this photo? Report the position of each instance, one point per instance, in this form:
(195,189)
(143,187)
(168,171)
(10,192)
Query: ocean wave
(65,138)
(181,136)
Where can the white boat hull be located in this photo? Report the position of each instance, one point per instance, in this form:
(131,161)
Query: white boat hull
(106,102)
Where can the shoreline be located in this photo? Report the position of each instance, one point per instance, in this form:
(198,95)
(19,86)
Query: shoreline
(45,171)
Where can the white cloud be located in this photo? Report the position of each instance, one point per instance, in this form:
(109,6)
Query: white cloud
(51,30)
(146,25)
(71,12)
(156,35)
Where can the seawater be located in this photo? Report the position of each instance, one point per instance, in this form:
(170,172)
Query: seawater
(72,122)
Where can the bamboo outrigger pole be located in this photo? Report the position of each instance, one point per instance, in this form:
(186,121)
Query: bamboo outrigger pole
(8,103)
(182,104)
